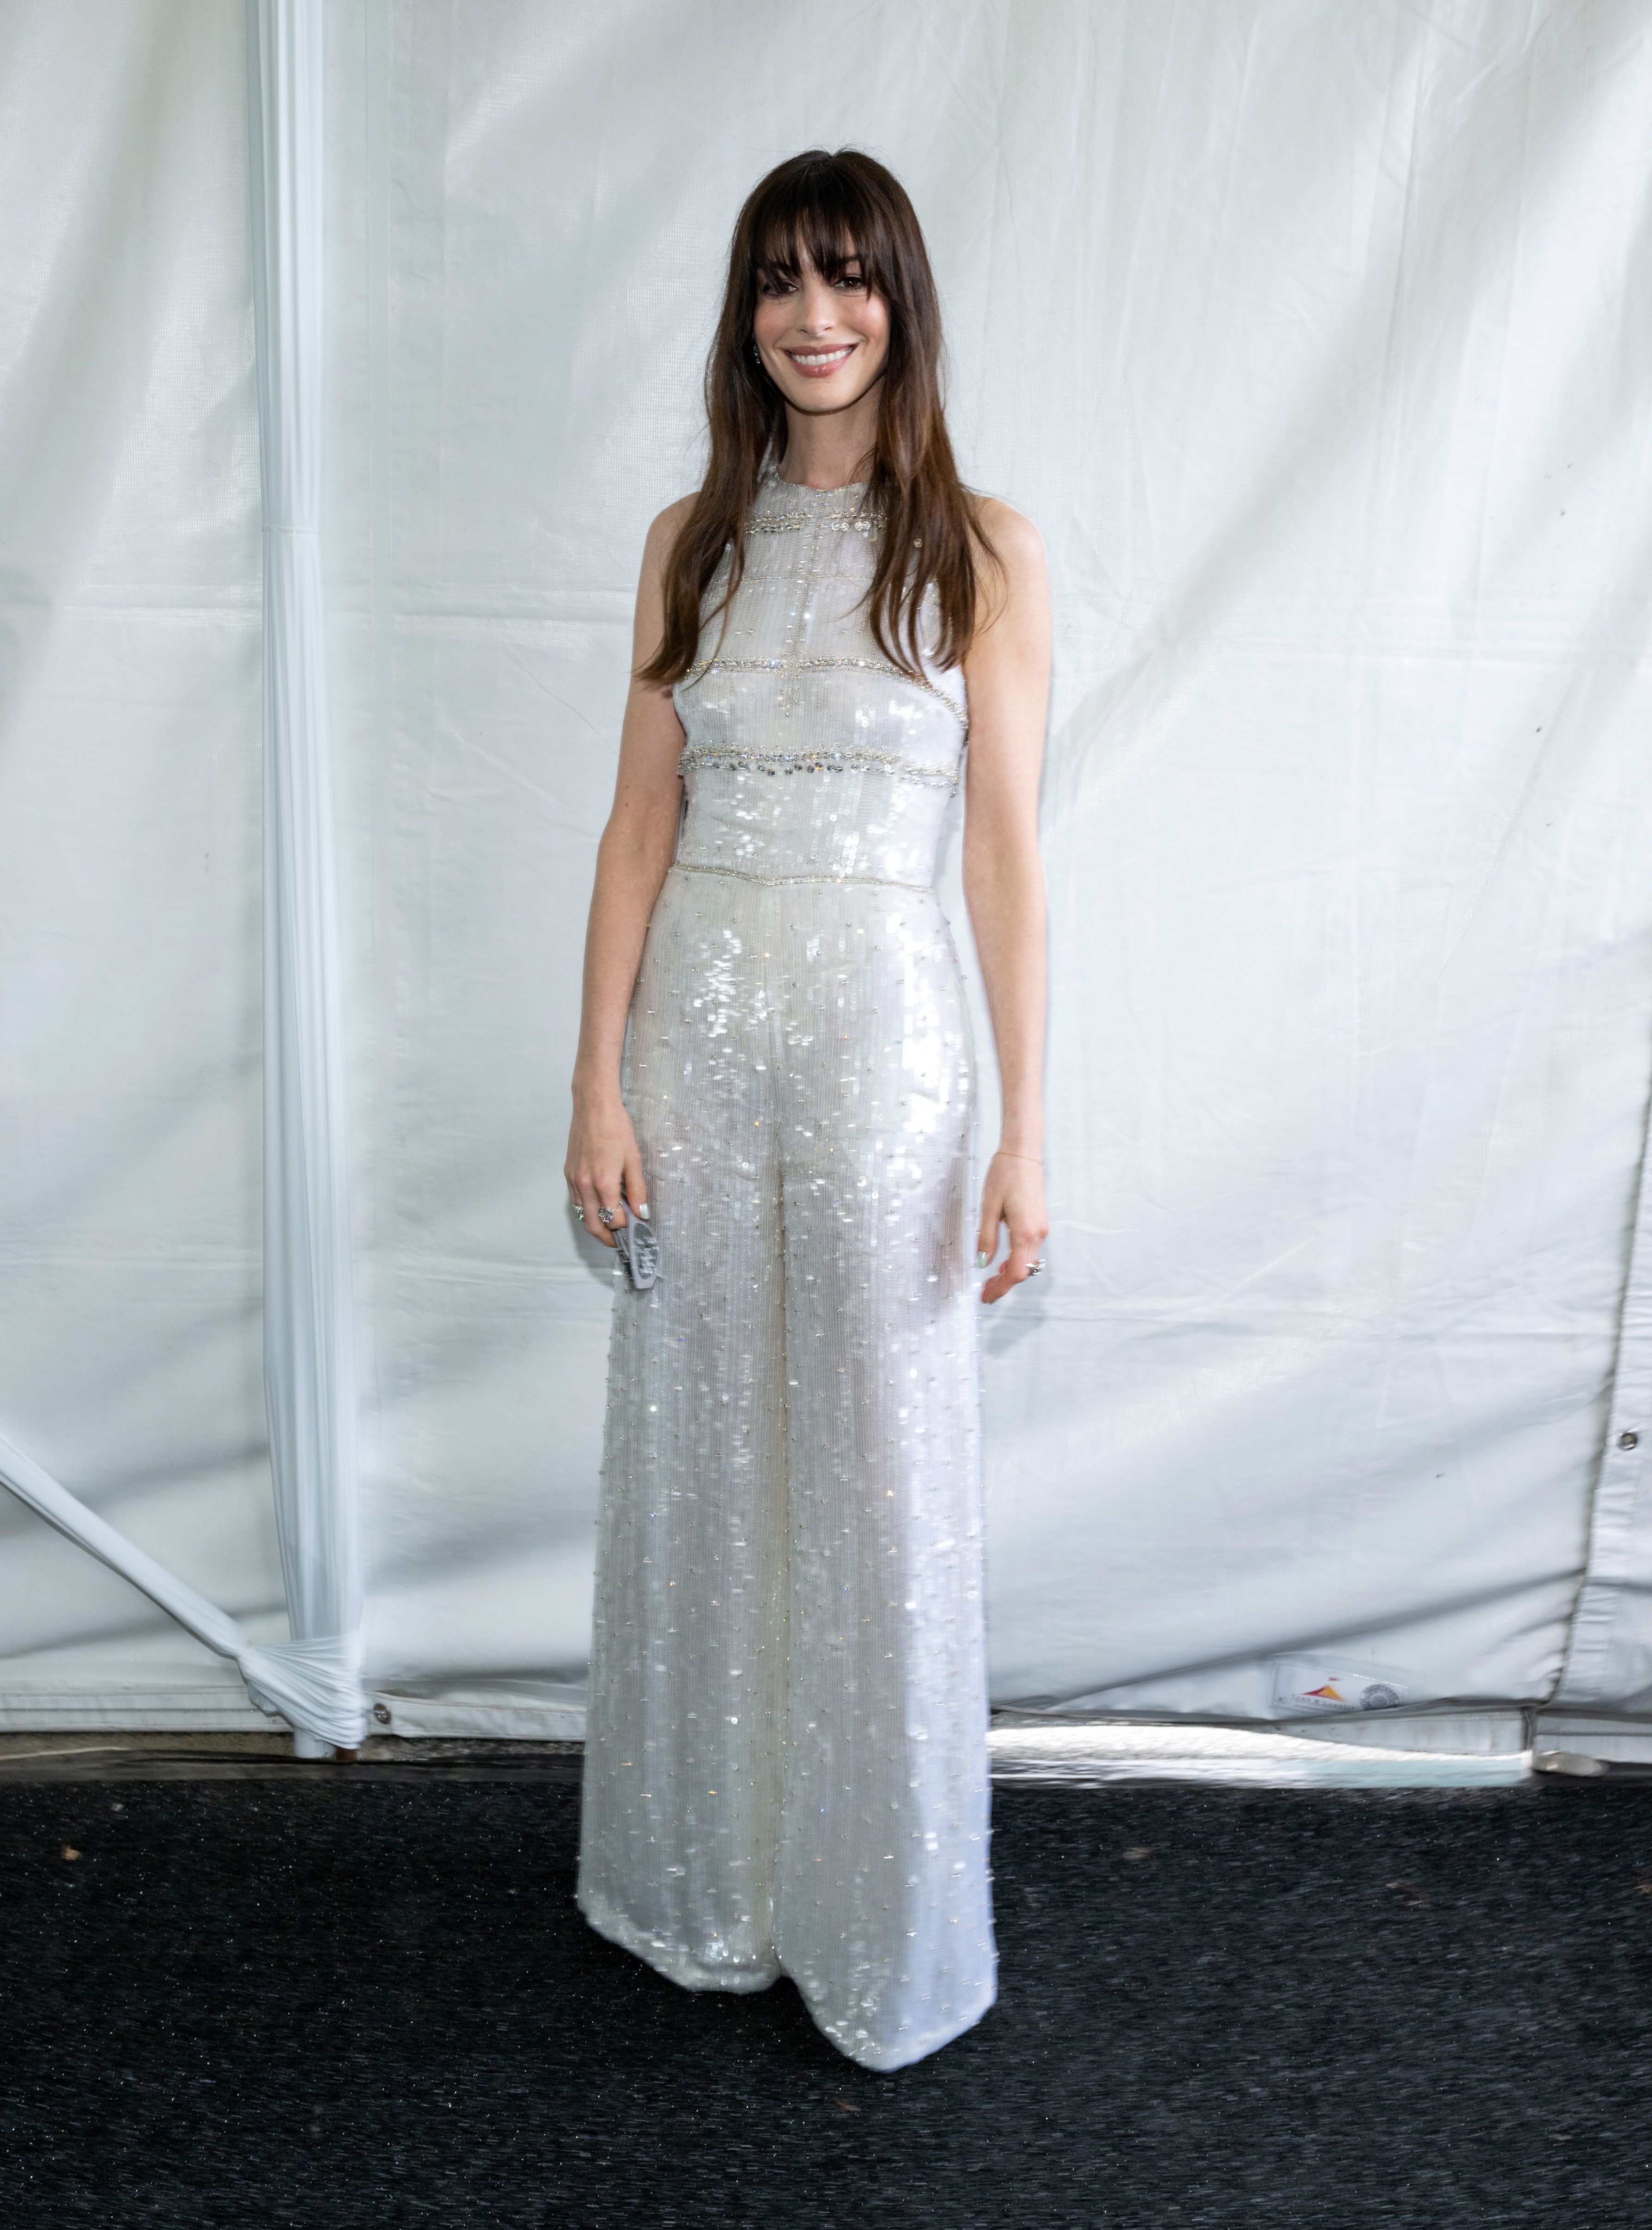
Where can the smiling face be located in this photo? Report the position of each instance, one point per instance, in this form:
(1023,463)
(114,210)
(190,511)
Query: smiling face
(824,338)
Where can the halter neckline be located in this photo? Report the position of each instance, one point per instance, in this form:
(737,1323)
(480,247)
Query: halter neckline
(802,488)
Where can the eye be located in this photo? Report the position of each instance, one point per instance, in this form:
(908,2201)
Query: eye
(852,279)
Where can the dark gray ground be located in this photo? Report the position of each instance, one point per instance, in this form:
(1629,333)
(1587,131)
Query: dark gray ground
(324,2002)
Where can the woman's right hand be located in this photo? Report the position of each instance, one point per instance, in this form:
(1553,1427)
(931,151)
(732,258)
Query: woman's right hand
(604,1168)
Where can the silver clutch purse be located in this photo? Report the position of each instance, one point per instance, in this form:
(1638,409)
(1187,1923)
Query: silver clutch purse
(638,1249)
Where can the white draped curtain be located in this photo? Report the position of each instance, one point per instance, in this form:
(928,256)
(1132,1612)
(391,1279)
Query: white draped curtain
(1315,339)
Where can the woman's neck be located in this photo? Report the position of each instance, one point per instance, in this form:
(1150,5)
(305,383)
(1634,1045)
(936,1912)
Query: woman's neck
(831,449)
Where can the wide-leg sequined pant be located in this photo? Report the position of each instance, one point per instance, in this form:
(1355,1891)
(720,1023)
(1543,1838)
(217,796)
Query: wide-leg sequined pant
(786,1762)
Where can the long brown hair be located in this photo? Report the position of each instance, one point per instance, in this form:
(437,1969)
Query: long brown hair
(834,208)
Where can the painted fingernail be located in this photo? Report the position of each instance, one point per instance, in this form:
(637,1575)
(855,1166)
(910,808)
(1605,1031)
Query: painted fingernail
(642,1209)
(983,1259)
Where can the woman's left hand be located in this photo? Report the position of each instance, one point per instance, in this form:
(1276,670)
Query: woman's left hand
(1014,1195)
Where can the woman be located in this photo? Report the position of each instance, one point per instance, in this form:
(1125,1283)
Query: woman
(786,1761)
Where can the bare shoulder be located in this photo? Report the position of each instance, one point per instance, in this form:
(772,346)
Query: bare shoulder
(1017,542)
(665,527)
(1015,591)
(670,520)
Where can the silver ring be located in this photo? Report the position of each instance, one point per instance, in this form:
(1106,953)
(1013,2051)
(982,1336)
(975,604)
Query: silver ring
(1033,1269)
(578,1209)
(605,1215)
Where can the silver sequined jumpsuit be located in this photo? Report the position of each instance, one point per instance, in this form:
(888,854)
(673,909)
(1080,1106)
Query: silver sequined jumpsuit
(785,1760)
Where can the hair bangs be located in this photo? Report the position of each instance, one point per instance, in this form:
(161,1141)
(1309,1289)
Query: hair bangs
(816,217)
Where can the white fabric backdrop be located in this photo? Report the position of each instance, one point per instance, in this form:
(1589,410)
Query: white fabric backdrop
(1315,339)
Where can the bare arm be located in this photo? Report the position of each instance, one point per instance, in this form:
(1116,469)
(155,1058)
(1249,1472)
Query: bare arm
(603,1162)
(1007,674)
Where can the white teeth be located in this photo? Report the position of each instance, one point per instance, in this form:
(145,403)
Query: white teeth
(830,355)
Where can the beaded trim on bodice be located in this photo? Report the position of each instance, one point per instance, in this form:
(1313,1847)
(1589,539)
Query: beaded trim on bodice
(751,761)
(858,521)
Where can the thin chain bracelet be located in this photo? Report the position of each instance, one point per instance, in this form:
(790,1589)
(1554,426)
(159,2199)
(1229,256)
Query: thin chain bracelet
(1003,1154)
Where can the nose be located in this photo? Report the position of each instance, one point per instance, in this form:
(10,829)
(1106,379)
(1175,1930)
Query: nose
(817,309)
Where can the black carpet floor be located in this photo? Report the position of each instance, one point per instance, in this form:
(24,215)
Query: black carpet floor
(322,2005)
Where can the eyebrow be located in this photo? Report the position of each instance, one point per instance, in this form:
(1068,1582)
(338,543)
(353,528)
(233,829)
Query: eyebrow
(788,264)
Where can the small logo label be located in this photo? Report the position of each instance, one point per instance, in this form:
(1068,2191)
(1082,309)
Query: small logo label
(1305,1685)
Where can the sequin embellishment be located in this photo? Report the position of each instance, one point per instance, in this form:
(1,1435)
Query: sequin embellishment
(817,665)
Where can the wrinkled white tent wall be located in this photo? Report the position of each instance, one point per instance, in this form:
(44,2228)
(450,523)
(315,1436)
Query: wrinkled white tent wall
(1354,1056)
(1314,339)
(1311,337)
(129,843)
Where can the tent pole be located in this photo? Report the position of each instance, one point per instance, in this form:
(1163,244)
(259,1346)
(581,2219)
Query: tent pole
(309,1345)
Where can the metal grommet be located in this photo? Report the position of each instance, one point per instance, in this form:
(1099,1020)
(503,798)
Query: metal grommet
(1629,1440)
(381,1713)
